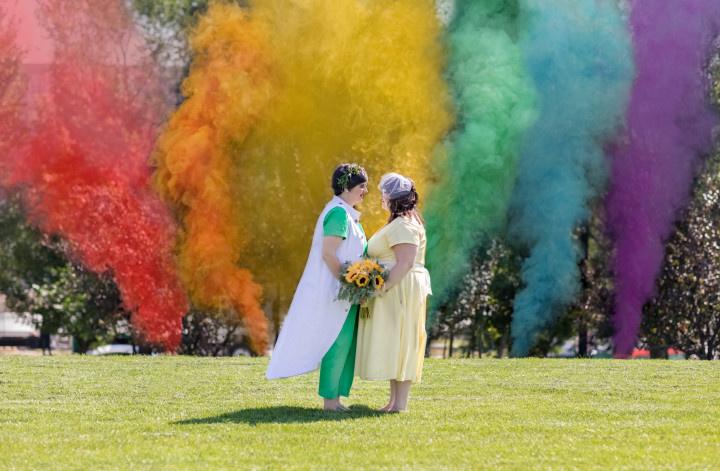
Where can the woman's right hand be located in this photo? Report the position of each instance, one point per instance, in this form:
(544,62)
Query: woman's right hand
(329,254)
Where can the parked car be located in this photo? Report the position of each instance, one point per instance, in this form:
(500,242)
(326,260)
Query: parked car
(113,349)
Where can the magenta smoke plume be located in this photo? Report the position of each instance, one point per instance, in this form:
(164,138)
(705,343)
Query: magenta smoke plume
(670,125)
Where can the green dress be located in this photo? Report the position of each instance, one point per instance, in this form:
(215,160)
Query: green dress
(337,368)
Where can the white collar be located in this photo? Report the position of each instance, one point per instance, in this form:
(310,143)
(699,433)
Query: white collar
(354,213)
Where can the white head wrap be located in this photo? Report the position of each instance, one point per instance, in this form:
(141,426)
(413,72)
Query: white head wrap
(395,185)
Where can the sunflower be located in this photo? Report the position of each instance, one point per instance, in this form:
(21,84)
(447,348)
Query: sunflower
(350,276)
(379,281)
(366,265)
(362,280)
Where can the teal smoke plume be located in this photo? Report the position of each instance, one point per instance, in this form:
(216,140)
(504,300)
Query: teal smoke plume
(579,55)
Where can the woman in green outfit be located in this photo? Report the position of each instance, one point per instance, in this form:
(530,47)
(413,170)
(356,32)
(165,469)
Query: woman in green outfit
(319,330)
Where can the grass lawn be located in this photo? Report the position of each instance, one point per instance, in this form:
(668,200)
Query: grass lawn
(183,412)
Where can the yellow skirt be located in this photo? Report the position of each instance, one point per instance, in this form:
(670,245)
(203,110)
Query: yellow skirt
(391,340)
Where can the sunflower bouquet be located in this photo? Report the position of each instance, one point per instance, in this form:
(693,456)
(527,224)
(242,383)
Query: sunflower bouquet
(361,280)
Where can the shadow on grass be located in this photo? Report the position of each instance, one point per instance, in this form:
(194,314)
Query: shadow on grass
(283,415)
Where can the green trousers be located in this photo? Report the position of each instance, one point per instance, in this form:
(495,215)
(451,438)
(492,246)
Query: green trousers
(337,369)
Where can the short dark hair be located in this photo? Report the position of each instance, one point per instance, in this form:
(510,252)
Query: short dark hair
(347,177)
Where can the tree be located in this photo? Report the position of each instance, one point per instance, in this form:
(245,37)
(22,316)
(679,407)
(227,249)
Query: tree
(593,311)
(481,309)
(57,295)
(165,24)
(685,313)
(212,334)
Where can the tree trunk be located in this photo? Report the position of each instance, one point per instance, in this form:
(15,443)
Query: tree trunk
(450,349)
(503,345)
(582,324)
(480,344)
(582,338)
(471,344)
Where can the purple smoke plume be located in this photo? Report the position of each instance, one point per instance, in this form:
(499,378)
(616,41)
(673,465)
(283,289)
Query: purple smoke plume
(670,125)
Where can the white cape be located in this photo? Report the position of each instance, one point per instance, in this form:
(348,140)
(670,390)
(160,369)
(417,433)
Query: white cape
(316,317)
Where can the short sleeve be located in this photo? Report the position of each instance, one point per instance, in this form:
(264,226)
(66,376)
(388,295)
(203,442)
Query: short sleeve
(403,233)
(336,223)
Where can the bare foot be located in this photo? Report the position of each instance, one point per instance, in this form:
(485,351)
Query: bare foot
(331,404)
(386,408)
(342,408)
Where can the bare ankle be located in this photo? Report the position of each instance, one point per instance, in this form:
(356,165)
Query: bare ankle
(331,404)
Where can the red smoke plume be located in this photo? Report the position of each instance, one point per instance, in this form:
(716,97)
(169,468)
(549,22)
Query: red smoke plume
(85,173)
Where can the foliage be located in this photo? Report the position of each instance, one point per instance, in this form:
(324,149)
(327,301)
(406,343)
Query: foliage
(43,285)
(165,24)
(597,300)
(212,334)
(482,307)
(591,316)
(685,313)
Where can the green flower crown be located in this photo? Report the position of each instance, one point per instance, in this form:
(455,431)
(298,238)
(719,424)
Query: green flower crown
(343,180)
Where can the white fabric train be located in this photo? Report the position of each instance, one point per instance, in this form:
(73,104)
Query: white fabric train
(316,317)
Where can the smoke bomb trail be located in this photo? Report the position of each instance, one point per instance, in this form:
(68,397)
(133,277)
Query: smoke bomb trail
(494,98)
(227,90)
(84,174)
(669,129)
(578,53)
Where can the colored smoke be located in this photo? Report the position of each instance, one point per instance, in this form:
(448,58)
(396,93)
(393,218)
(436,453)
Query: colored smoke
(579,56)
(669,130)
(84,172)
(494,101)
(227,90)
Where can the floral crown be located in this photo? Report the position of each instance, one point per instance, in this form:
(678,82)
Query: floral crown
(351,170)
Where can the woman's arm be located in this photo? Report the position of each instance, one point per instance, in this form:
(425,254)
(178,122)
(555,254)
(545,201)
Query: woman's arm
(405,256)
(329,253)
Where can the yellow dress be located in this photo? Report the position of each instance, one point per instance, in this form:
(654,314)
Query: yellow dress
(391,341)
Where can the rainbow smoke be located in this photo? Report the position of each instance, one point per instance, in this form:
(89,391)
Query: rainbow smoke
(494,100)
(578,53)
(84,174)
(352,81)
(227,90)
(670,124)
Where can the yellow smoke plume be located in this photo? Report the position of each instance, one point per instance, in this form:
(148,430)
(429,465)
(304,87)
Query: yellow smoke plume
(356,81)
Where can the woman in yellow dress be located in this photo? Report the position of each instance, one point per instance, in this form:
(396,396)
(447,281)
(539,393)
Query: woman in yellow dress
(391,339)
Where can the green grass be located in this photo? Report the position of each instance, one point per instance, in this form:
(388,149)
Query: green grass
(181,412)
